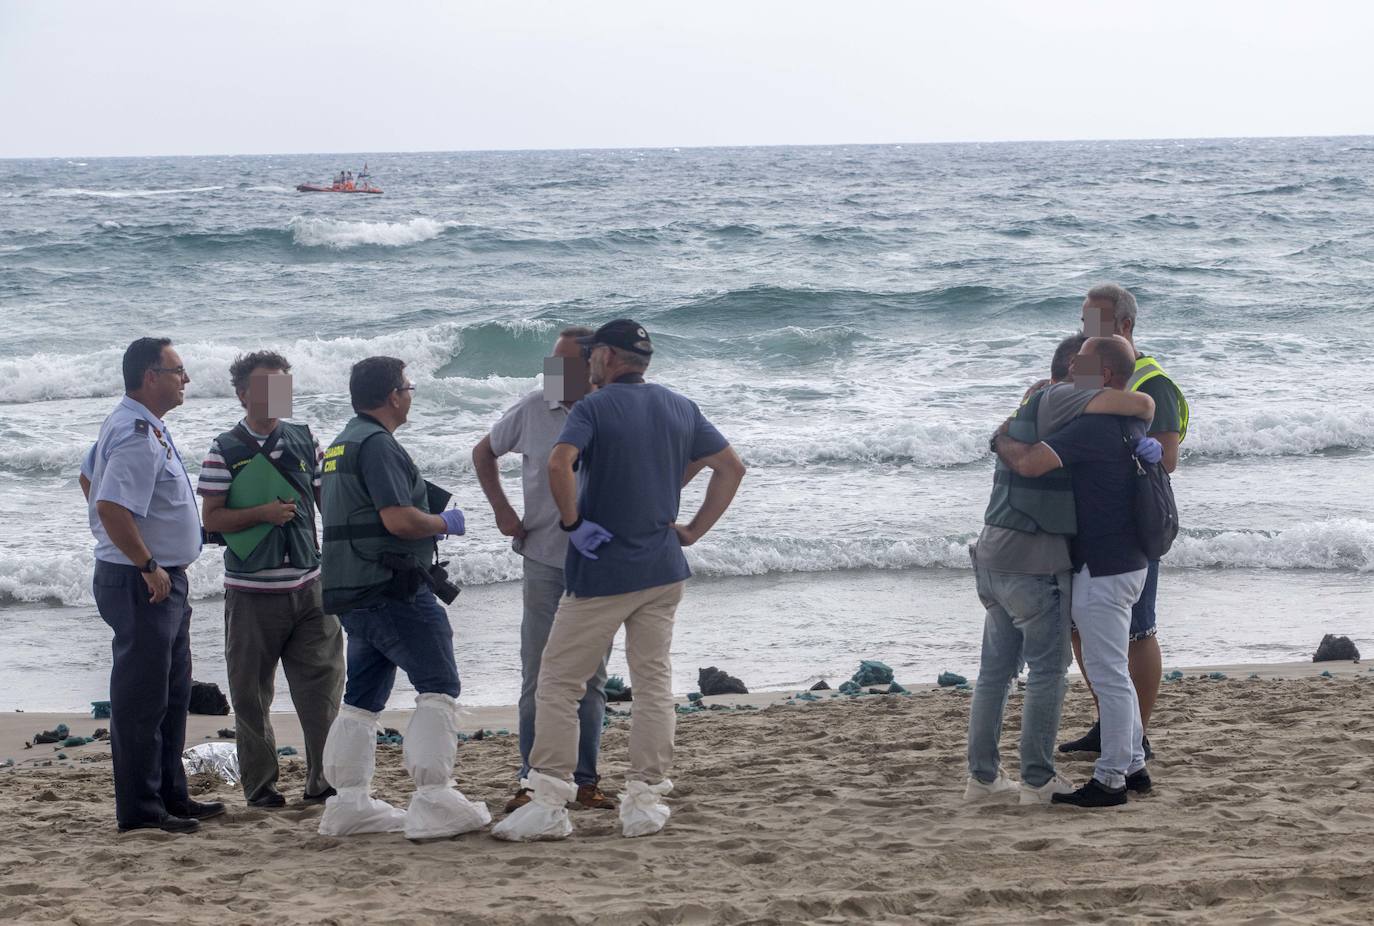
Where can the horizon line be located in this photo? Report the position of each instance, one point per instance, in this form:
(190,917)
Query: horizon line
(669,147)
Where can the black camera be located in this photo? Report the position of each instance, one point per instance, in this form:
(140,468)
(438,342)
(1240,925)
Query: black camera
(444,590)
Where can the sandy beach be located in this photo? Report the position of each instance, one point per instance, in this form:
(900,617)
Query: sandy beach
(839,810)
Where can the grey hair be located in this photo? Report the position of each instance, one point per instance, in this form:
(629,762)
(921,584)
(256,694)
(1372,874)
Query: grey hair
(629,359)
(1123,303)
(576,331)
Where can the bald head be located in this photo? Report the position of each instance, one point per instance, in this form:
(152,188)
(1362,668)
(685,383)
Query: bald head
(1115,359)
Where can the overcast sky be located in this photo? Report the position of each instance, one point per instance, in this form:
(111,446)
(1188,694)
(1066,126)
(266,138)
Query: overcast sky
(135,77)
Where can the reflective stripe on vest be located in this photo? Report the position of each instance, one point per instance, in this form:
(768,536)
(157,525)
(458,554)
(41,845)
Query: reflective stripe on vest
(1040,505)
(354,535)
(296,539)
(1148,368)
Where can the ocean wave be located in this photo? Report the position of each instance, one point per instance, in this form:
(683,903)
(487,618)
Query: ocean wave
(1341,545)
(808,307)
(126,194)
(341,233)
(905,444)
(1278,433)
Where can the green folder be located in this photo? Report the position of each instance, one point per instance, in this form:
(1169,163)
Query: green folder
(256,483)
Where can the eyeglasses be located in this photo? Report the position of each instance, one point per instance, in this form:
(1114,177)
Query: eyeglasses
(410,388)
(179,371)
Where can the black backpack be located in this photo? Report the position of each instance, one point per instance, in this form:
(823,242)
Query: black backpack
(1156,513)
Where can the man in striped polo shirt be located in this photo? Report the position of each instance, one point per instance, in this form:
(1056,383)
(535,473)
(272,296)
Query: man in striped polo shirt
(272,604)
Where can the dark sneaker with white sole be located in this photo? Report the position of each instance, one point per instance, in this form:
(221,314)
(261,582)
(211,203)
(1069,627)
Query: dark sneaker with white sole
(1091,742)
(1092,794)
(1139,782)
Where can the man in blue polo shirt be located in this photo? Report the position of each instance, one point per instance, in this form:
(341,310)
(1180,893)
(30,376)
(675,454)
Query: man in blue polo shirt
(637,444)
(1109,565)
(147,531)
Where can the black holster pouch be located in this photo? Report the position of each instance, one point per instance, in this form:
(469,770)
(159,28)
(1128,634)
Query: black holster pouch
(406,576)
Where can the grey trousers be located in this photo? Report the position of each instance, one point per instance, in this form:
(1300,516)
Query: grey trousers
(260,630)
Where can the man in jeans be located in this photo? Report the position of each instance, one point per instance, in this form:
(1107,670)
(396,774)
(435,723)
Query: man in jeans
(1022,569)
(381,523)
(531,428)
(272,608)
(1110,565)
(638,443)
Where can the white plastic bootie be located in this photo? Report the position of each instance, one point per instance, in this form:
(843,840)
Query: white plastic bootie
(641,810)
(350,760)
(545,816)
(438,810)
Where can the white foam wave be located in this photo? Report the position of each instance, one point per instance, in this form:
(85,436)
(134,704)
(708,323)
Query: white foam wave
(338,233)
(935,445)
(271,189)
(126,194)
(1282,432)
(1341,544)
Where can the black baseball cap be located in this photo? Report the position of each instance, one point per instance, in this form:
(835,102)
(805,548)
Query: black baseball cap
(623,333)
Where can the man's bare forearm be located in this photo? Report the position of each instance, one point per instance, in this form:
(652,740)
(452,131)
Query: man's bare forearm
(488,470)
(563,484)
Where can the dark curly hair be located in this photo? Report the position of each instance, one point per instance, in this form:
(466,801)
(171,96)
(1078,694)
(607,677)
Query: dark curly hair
(244,365)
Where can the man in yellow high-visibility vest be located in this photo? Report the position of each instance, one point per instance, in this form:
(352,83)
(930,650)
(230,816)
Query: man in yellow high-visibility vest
(1111,309)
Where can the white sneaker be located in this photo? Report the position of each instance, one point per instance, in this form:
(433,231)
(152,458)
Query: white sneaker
(1046,792)
(1000,790)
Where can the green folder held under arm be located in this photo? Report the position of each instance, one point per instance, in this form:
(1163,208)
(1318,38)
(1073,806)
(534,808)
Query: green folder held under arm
(257,482)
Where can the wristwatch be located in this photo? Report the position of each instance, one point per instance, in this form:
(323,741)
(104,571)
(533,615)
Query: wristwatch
(569,528)
(151,566)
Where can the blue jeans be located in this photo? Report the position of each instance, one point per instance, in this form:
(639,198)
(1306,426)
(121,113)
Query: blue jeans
(1027,618)
(543,587)
(1143,611)
(412,636)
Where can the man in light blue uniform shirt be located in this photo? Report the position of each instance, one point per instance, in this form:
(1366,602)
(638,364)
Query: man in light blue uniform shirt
(144,516)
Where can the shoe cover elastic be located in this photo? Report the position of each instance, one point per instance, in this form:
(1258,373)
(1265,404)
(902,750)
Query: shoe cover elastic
(349,764)
(641,810)
(545,816)
(437,810)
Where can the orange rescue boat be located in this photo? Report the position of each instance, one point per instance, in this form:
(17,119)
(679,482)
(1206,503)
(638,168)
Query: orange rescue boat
(345,182)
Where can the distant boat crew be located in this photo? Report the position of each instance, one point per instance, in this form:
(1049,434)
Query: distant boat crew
(343,183)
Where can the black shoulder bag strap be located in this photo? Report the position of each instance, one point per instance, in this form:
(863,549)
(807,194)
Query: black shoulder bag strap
(264,448)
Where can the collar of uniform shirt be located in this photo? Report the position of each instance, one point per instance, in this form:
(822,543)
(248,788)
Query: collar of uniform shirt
(139,408)
(628,378)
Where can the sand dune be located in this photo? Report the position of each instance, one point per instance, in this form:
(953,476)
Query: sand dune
(836,811)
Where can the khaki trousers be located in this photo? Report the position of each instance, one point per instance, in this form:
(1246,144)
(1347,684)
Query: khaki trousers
(260,630)
(583,630)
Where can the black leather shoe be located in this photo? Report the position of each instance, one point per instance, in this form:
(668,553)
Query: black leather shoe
(320,798)
(1088,742)
(168,824)
(1139,782)
(269,801)
(195,810)
(1092,794)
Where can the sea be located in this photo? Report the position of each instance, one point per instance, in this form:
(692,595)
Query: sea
(855,319)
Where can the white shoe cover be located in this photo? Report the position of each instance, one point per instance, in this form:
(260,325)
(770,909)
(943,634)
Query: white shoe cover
(438,810)
(545,816)
(350,760)
(641,811)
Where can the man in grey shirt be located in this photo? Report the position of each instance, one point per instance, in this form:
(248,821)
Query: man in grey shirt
(531,427)
(1023,571)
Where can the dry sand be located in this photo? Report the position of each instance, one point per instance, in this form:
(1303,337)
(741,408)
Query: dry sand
(836,811)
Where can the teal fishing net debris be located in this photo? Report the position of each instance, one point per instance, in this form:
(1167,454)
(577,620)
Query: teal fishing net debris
(872,672)
(1327,674)
(1173,676)
(693,696)
(100,710)
(895,688)
(615,685)
(850,688)
(806,696)
(1217,676)
(286,750)
(950,679)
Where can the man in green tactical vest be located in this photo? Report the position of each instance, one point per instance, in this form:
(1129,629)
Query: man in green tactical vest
(272,608)
(382,521)
(1111,309)
(1023,572)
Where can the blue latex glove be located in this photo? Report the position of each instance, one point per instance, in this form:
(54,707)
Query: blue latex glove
(1148,449)
(588,536)
(453,523)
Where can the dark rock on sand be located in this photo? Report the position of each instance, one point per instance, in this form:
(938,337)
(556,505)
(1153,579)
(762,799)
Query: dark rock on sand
(820,686)
(712,681)
(1336,649)
(206,698)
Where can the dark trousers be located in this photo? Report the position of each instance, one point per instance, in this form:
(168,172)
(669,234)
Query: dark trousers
(260,630)
(150,690)
(412,635)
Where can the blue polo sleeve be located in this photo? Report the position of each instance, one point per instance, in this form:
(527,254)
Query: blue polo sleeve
(579,428)
(706,440)
(132,465)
